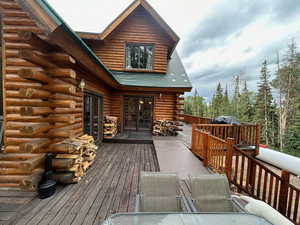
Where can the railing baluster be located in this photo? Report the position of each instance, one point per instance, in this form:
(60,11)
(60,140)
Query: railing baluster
(264,194)
(290,201)
(259,182)
(275,205)
(242,170)
(270,192)
(296,206)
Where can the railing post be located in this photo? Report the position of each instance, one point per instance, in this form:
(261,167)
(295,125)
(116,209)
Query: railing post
(228,159)
(284,189)
(205,149)
(194,126)
(257,141)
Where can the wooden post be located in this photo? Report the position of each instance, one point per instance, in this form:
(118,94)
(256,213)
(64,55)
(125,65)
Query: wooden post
(283,194)
(229,155)
(194,126)
(257,139)
(205,149)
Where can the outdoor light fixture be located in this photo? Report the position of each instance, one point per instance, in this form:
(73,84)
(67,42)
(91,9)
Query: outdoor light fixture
(82,84)
(141,102)
(160,95)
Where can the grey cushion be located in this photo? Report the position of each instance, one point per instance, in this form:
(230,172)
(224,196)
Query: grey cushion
(211,193)
(159,192)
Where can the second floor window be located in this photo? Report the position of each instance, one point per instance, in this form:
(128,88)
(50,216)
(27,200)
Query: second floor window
(139,56)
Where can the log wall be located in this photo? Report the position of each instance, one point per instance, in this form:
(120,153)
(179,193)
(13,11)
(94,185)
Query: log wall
(138,27)
(43,104)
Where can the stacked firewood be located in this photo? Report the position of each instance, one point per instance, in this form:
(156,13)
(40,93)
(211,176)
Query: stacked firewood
(70,167)
(165,128)
(110,126)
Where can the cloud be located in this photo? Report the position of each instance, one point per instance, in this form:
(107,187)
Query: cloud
(236,38)
(227,21)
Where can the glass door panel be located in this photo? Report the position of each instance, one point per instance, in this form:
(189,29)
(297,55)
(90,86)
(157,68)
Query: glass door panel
(93,116)
(138,112)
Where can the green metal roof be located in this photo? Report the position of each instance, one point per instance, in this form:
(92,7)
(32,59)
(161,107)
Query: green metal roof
(176,76)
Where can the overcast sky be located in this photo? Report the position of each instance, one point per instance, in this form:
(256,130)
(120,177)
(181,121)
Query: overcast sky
(219,38)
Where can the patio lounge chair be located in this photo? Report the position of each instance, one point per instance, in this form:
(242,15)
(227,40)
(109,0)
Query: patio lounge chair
(159,192)
(211,193)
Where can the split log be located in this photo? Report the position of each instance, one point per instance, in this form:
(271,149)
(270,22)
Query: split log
(33,111)
(34,93)
(34,75)
(62,73)
(35,145)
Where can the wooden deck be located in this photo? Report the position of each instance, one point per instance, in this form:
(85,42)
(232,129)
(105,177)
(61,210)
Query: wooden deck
(110,186)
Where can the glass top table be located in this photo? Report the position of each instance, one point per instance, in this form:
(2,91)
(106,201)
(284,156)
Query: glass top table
(185,219)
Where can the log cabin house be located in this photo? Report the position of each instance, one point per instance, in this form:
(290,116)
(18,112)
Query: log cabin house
(58,83)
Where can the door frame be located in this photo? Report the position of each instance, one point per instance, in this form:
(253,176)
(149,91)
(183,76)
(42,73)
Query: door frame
(137,122)
(101,110)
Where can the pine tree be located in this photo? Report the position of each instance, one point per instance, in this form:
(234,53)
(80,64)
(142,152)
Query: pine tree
(226,103)
(217,101)
(236,96)
(264,101)
(286,81)
(293,140)
(246,105)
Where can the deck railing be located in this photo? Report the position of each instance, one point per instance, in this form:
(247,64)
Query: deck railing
(195,119)
(243,135)
(247,174)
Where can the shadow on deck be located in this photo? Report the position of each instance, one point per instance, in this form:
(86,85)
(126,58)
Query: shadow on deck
(139,137)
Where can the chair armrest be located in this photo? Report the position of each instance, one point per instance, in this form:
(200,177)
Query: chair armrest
(191,205)
(238,204)
(137,207)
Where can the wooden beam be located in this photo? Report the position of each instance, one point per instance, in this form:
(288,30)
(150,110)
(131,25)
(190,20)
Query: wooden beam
(35,58)
(37,42)
(34,145)
(63,73)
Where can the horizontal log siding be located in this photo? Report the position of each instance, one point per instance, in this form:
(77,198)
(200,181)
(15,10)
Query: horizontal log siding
(139,27)
(165,107)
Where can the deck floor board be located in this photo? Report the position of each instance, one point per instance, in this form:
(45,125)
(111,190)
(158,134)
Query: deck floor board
(110,186)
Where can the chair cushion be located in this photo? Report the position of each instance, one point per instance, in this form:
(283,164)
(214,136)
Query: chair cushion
(159,184)
(160,204)
(264,210)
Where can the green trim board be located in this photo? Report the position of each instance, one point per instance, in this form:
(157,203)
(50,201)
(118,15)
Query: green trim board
(176,76)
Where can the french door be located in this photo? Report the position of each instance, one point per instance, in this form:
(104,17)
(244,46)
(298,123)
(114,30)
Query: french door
(138,113)
(93,116)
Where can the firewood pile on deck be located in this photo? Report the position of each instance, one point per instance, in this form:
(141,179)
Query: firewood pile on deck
(165,128)
(110,126)
(72,165)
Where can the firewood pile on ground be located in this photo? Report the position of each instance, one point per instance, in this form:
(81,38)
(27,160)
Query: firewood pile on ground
(79,155)
(165,128)
(110,126)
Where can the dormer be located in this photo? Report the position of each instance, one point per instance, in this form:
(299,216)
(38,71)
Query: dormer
(138,40)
